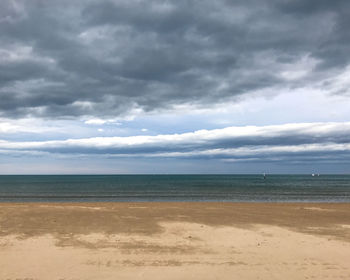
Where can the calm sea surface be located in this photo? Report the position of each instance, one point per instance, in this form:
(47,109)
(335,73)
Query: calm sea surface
(325,188)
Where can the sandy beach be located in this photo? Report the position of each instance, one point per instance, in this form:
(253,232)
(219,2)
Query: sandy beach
(174,241)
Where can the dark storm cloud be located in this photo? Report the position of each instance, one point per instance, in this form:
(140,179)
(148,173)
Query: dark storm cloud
(105,58)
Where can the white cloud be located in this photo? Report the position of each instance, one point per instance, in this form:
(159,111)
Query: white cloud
(9,126)
(235,142)
(96,121)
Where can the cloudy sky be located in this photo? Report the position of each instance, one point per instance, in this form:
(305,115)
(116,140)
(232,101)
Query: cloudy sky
(117,86)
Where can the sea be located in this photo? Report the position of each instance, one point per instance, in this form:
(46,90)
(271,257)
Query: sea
(137,188)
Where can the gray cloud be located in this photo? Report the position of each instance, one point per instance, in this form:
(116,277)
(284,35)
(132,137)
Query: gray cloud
(105,58)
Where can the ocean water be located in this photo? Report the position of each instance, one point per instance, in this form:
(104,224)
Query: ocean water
(95,188)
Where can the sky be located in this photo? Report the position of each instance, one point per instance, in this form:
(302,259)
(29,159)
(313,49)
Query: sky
(134,87)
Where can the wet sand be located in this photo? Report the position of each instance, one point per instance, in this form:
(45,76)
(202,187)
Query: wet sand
(174,241)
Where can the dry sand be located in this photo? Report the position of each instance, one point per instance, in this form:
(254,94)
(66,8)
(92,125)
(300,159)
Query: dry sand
(174,241)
